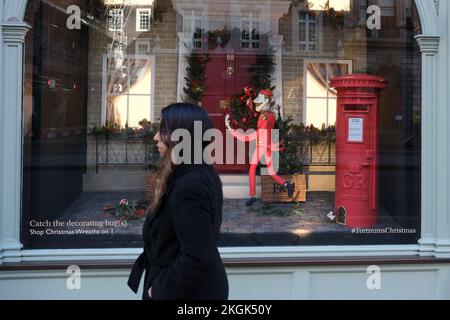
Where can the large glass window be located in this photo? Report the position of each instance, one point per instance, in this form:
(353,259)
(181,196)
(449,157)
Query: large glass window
(93,97)
(127,89)
(320,98)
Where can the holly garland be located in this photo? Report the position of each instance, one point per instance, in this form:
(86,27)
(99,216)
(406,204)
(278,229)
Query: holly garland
(195,78)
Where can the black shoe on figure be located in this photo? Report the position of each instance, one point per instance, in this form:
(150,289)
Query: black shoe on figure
(290,189)
(251,201)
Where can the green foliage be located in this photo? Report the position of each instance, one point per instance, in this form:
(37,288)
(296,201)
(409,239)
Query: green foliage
(195,78)
(262,70)
(241,116)
(294,140)
(145,132)
(128,210)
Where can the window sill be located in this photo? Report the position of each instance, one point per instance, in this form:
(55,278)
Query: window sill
(238,263)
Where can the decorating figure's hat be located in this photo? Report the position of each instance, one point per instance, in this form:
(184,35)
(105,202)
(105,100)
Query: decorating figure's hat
(263,100)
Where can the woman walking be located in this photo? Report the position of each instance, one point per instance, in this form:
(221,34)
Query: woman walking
(182,227)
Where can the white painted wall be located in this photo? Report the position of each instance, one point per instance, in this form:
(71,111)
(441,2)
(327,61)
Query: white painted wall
(329,283)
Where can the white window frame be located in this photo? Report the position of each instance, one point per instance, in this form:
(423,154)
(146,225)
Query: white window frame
(254,23)
(152,88)
(114,13)
(296,31)
(190,20)
(139,13)
(305,81)
(139,42)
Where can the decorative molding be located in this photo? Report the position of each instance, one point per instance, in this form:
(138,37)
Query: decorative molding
(14,33)
(228,253)
(436,3)
(432,139)
(429,44)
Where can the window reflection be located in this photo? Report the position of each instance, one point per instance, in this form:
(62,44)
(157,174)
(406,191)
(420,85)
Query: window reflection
(92,100)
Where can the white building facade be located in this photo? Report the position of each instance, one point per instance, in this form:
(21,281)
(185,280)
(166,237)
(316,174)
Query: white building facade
(419,270)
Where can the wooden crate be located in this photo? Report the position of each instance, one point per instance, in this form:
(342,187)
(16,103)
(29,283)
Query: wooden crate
(150,185)
(272,192)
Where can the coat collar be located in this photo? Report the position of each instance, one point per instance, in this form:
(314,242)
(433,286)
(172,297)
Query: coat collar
(181,170)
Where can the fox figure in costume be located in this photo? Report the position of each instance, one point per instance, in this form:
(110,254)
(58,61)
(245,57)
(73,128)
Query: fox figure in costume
(264,145)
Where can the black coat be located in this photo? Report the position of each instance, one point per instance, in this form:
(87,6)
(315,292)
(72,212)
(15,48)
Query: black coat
(180,255)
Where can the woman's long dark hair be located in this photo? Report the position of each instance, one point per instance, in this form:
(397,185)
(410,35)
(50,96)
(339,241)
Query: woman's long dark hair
(176,116)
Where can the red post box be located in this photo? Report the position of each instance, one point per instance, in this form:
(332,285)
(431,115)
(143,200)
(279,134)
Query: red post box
(356,197)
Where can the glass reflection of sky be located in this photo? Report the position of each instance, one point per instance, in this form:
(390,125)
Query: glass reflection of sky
(337,5)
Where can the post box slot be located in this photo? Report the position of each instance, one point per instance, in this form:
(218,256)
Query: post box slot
(356,108)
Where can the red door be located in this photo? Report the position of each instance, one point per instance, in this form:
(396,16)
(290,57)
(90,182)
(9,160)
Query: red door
(226,76)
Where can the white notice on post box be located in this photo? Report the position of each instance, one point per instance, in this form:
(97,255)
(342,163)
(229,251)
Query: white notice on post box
(355,129)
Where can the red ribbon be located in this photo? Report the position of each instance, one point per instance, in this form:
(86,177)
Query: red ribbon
(248,97)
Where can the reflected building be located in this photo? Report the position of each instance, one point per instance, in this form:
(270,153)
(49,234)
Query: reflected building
(131,58)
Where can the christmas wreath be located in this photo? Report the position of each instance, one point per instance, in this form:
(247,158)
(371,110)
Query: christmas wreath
(240,107)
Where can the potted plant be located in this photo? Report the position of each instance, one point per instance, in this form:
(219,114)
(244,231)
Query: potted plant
(290,165)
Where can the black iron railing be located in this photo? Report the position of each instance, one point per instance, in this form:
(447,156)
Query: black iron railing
(125,151)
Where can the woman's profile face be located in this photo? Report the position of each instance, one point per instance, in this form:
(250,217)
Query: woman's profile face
(162,148)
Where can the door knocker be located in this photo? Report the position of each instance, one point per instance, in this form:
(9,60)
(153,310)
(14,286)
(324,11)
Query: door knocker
(230,70)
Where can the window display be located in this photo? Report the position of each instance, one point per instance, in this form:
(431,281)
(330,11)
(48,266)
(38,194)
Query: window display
(93,97)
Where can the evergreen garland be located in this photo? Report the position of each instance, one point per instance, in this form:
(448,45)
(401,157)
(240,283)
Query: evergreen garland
(262,70)
(294,139)
(195,78)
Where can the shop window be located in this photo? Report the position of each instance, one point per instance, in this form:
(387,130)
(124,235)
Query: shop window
(93,99)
